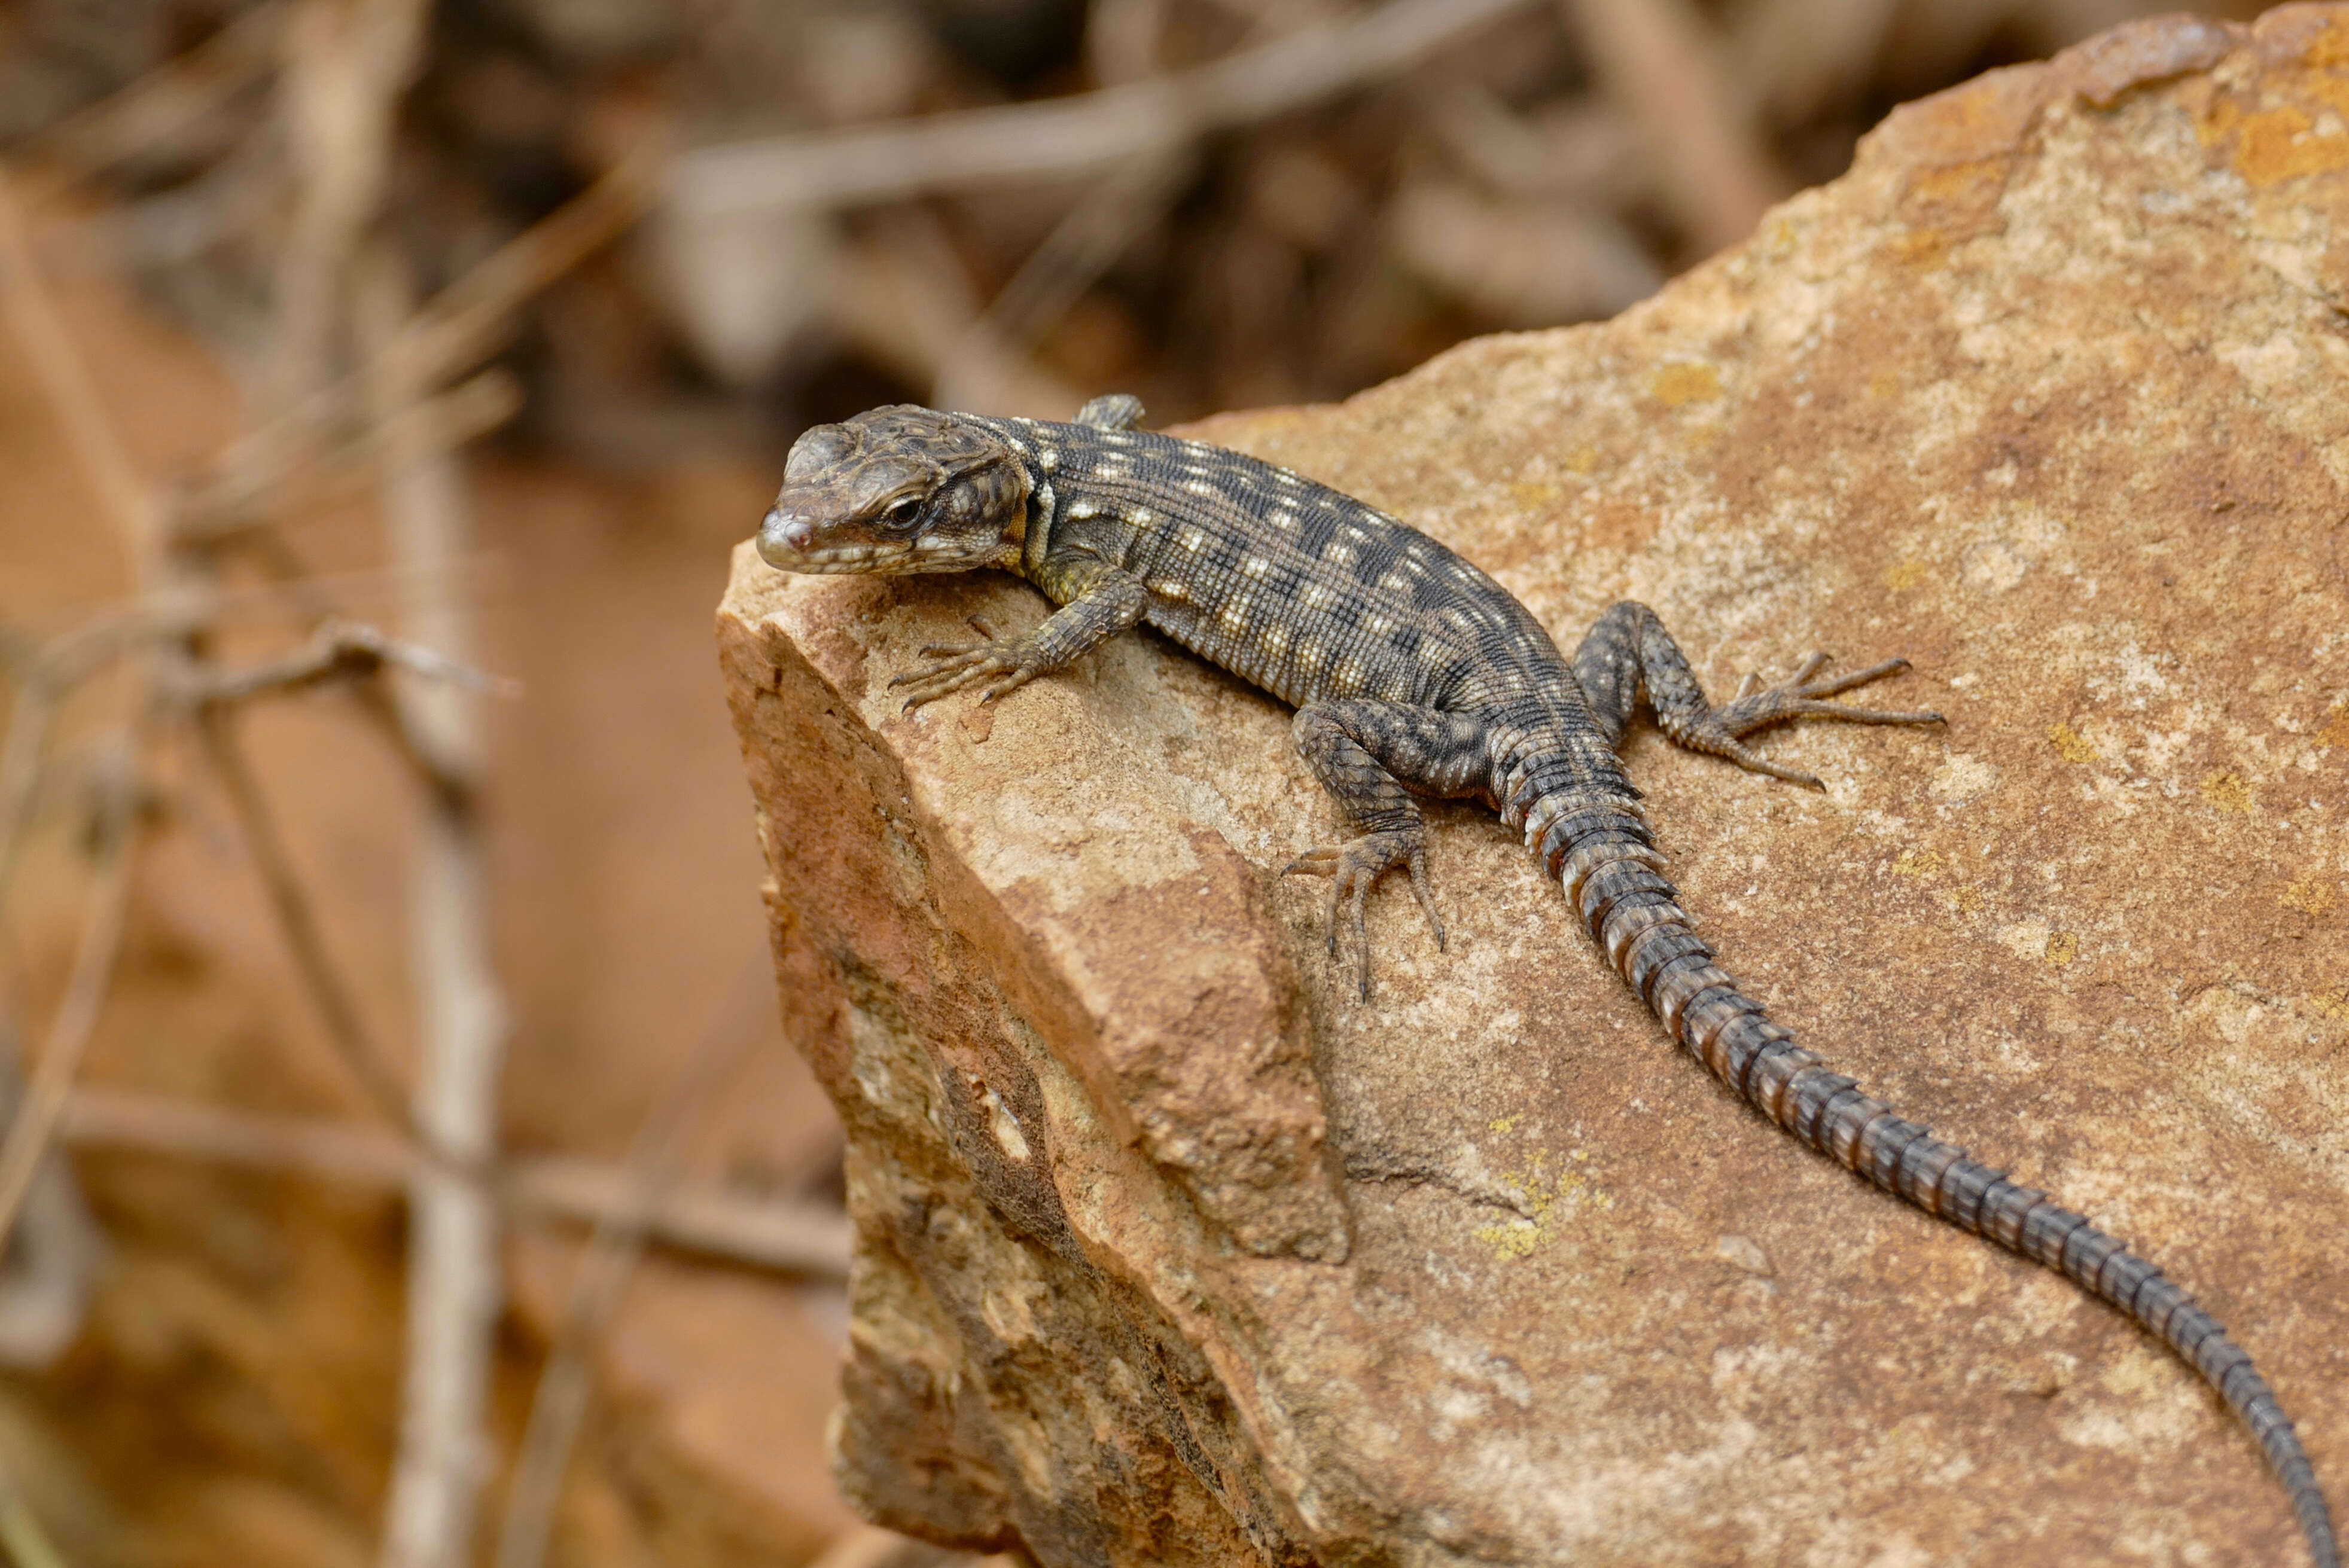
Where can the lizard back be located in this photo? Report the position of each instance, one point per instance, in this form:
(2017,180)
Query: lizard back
(1297,588)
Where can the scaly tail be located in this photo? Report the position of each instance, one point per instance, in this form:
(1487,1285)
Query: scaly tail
(1600,851)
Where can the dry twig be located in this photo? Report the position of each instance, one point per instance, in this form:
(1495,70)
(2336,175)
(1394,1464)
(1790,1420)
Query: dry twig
(1661,65)
(789,1236)
(355,1044)
(157,107)
(453,330)
(1073,135)
(560,1405)
(454,1285)
(77,1014)
(66,382)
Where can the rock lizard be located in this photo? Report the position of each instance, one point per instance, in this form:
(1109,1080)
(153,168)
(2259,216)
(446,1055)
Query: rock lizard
(1414,674)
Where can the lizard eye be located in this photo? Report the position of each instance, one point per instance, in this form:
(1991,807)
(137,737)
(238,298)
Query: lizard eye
(903,514)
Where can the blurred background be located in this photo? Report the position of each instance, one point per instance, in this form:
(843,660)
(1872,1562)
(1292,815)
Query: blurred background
(402,1162)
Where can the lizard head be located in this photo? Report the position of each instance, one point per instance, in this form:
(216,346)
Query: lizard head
(895,491)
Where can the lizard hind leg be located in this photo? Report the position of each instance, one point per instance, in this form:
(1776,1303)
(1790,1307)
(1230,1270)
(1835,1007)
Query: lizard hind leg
(1372,756)
(1628,652)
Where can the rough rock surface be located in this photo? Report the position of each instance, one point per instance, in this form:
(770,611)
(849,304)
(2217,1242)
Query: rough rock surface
(1170,1253)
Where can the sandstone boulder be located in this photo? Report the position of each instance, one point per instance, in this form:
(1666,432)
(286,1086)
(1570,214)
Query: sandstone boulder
(1172,1252)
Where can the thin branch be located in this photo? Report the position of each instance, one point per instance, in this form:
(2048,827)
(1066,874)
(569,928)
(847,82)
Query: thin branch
(28,1545)
(457,327)
(453,1276)
(1073,135)
(908,299)
(29,718)
(281,478)
(66,381)
(559,1406)
(77,1014)
(1082,246)
(1661,64)
(791,1236)
(346,66)
(156,107)
(361,1056)
(338,650)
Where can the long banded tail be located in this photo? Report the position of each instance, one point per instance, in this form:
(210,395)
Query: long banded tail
(1603,856)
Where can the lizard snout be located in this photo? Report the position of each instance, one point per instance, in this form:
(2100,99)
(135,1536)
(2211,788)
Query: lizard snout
(782,536)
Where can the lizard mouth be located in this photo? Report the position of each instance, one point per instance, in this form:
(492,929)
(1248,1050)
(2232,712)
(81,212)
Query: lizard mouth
(890,560)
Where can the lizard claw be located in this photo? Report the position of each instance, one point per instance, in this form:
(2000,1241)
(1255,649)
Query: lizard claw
(1004,665)
(1354,868)
(1723,730)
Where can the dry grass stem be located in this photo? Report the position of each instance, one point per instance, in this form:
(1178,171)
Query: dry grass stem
(156,107)
(906,300)
(559,1406)
(27,1544)
(77,1014)
(281,480)
(355,1045)
(1079,248)
(21,753)
(457,327)
(454,1283)
(346,63)
(1661,65)
(338,650)
(1071,136)
(65,379)
(789,1236)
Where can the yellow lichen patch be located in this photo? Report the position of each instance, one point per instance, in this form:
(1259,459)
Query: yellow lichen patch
(1502,1124)
(1884,384)
(1535,497)
(1969,181)
(2331,90)
(2227,791)
(1682,382)
(1919,247)
(1905,575)
(2070,745)
(2329,50)
(1920,863)
(2332,1004)
(2310,895)
(1966,900)
(2281,144)
(1583,460)
(2062,947)
(1548,1198)
(2337,732)
(2216,115)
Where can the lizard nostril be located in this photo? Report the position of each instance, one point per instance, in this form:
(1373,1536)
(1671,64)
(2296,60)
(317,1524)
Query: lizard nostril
(782,535)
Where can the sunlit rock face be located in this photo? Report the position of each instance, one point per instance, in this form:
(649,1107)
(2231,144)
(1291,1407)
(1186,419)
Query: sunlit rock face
(1172,1253)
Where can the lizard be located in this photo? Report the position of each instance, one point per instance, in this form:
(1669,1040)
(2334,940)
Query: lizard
(1413,674)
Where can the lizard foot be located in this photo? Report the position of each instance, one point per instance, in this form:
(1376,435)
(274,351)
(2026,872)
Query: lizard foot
(1355,867)
(1722,731)
(1004,664)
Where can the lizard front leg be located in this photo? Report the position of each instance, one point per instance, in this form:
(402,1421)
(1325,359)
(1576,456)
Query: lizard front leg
(1629,651)
(1102,602)
(1372,756)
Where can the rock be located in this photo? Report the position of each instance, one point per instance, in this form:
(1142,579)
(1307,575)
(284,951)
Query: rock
(1172,1253)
